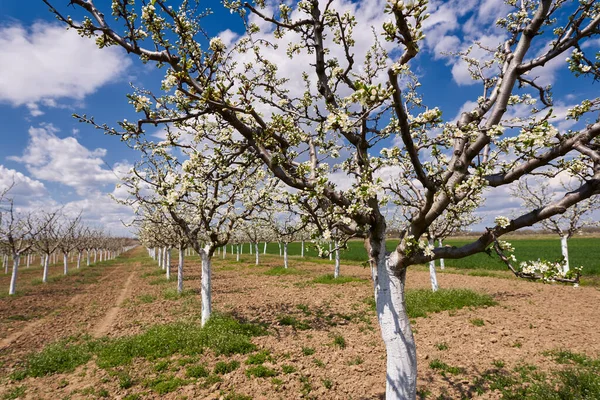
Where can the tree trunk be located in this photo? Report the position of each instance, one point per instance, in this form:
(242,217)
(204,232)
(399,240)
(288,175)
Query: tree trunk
(224,251)
(205,289)
(285,255)
(336,270)
(13,279)
(237,257)
(65,263)
(168,263)
(330,253)
(95,255)
(251,244)
(565,252)
(180,271)
(432,274)
(265,248)
(442,265)
(279,243)
(79,260)
(256,252)
(87,255)
(28,260)
(302,248)
(46,264)
(401,368)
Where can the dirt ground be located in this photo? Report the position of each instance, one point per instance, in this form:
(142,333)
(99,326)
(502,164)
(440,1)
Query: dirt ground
(125,298)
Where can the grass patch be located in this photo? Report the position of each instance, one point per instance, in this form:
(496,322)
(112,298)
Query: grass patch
(288,320)
(421,302)
(260,371)
(164,384)
(477,322)
(443,367)
(259,358)
(330,280)
(339,341)
(308,351)
(288,369)
(279,271)
(146,298)
(197,371)
(172,294)
(221,334)
(223,367)
(442,346)
(16,393)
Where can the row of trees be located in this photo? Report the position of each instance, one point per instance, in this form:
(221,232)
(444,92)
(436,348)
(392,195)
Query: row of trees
(336,127)
(47,234)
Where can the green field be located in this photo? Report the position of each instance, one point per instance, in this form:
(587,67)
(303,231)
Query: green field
(582,251)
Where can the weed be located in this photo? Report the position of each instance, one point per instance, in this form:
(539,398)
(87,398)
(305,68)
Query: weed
(420,302)
(327,383)
(173,294)
(517,344)
(17,392)
(289,320)
(306,386)
(498,363)
(223,367)
(159,281)
(330,280)
(259,358)
(279,271)
(164,384)
(319,363)
(304,308)
(276,381)
(235,396)
(288,369)
(103,393)
(56,358)
(308,351)
(338,340)
(442,346)
(133,396)
(356,361)
(125,380)
(477,322)
(443,367)
(161,366)
(260,371)
(197,371)
(146,298)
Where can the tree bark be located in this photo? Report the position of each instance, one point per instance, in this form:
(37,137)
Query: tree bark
(442,264)
(180,271)
(205,289)
(565,252)
(285,255)
(401,368)
(265,248)
(65,263)
(46,264)
(302,248)
(432,273)
(336,270)
(13,279)
(237,257)
(168,263)
(78,260)
(256,252)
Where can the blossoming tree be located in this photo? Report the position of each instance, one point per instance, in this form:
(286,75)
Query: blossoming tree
(358,115)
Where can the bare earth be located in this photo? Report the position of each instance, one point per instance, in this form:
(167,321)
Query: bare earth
(530,318)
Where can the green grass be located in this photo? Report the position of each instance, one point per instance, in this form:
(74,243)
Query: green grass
(15,393)
(288,369)
(221,334)
(146,298)
(477,322)
(224,367)
(197,371)
(164,384)
(339,341)
(260,371)
(421,302)
(579,379)
(443,367)
(330,280)
(582,251)
(289,320)
(259,358)
(279,271)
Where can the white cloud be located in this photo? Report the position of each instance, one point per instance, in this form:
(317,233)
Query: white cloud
(22,186)
(46,62)
(65,160)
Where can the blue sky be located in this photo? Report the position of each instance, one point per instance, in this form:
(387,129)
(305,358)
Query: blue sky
(48,73)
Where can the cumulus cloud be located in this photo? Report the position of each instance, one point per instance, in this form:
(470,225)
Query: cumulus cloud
(19,184)
(64,160)
(45,62)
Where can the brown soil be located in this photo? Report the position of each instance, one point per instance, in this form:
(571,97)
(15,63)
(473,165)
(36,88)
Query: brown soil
(529,319)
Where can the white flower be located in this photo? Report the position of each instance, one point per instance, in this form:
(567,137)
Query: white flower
(503,222)
(216,44)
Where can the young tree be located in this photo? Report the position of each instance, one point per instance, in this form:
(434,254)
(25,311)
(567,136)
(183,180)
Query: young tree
(538,195)
(341,116)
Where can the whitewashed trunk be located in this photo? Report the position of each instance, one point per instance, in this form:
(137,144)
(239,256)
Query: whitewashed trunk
(87,255)
(28,260)
(46,264)
(442,265)
(256,253)
(302,248)
(13,279)
(336,270)
(432,273)
(265,248)
(251,245)
(237,257)
(168,263)
(95,255)
(205,289)
(224,251)
(180,271)
(565,252)
(160,260)
(330,253)
(285,255)
(5,263)
(279,243)
(78,260)
(401,365)
(65,263)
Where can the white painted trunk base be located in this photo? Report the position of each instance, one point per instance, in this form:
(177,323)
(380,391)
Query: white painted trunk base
(564,248)
(13,279)
(285,255)
(442,265)
(180,271)
(168,264)
(432,273)
(256,253)
(205,288)
(336,270)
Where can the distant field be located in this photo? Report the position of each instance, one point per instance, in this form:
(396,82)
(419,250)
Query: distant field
(582,251)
